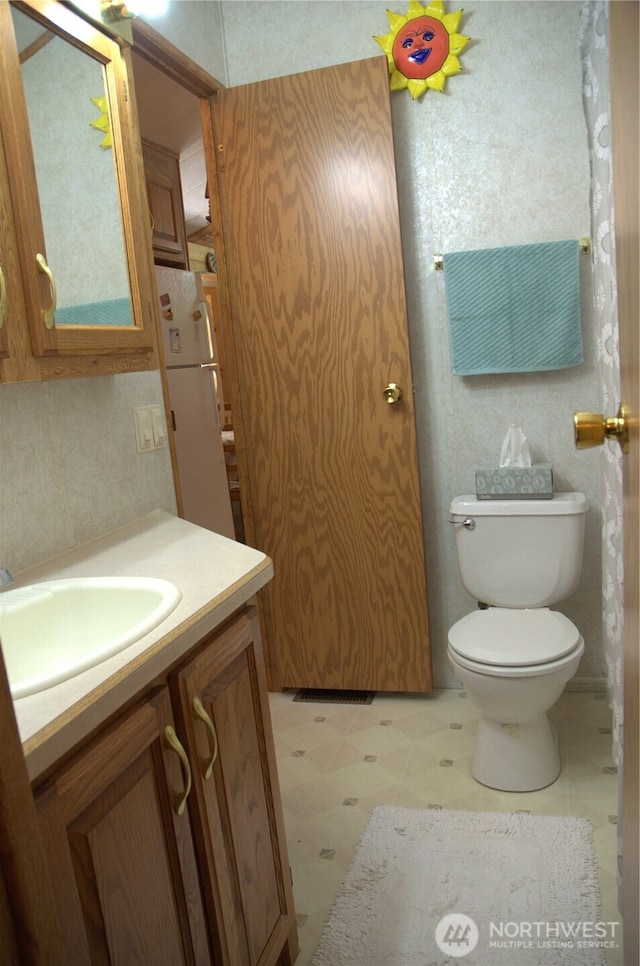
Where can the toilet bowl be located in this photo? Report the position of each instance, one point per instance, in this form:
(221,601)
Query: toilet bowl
(515,655)
(514,665)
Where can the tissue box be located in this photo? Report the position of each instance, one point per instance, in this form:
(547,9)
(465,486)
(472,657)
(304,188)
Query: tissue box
(515,482)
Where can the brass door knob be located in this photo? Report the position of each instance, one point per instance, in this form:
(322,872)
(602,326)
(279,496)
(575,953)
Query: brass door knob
(392,393)
(591,429)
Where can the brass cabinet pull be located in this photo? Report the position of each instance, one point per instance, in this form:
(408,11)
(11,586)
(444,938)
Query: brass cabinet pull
(48,315)
(174,743)
(3,297)
(200,713)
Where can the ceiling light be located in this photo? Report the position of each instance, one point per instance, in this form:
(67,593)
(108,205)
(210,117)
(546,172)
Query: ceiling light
(113,11)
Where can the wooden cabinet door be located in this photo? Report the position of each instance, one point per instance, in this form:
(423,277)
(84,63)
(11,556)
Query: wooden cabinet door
(310,212)
(236,804)
(122,858)
(164,193)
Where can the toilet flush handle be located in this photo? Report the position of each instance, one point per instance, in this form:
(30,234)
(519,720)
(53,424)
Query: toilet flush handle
(468,523)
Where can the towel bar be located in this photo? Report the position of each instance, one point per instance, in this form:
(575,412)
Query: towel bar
(585,248)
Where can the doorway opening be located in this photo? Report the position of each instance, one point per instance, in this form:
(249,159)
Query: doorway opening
(173,103)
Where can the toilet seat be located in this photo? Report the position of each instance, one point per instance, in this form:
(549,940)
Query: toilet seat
(522,671)
(509,642)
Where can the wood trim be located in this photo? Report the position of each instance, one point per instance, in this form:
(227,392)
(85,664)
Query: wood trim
(26,884)
(625,137)
(172,61)
(14,129)
(37,45)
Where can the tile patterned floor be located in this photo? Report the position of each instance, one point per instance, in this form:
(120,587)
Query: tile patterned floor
(336,762)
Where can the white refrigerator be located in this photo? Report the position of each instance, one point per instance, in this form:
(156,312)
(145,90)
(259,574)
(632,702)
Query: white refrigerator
(195,394)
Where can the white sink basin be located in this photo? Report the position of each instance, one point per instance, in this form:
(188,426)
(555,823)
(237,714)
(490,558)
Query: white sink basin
(52,631)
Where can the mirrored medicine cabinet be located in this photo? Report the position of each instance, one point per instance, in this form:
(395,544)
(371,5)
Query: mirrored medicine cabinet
(76,191)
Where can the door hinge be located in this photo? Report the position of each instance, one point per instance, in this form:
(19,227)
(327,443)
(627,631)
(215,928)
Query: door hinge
(173,420)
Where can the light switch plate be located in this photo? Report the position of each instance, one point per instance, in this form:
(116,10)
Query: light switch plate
(158,426)
(150,428)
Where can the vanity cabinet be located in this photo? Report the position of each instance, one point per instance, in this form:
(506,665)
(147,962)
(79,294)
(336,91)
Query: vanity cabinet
(121,858)
(165,833)
(166,207)
(75,256)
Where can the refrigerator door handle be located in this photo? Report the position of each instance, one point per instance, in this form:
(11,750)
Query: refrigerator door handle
(214,368)
(203,308)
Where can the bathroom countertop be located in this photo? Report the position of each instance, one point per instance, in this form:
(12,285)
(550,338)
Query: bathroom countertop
(216,576)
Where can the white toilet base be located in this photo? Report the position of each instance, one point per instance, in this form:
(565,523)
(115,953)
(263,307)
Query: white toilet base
(519,757)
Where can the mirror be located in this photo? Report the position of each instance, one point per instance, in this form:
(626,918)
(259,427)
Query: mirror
(76,176)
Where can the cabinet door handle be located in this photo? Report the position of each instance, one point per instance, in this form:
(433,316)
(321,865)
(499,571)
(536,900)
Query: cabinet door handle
(49,315)
(3,297)
(200,712)
(173,741)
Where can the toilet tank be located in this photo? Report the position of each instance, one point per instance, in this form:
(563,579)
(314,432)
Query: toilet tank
(519,553)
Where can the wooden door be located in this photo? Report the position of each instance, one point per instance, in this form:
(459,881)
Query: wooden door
(625,131)
(122,859)
(237,808)
(309,205)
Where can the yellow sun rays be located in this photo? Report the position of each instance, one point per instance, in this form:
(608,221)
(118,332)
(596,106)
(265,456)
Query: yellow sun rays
(416,76)
(102,123)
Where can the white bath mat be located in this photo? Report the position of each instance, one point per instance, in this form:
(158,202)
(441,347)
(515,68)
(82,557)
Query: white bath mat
(434,887)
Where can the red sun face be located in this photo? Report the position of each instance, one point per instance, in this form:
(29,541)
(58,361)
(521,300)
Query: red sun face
(421,47)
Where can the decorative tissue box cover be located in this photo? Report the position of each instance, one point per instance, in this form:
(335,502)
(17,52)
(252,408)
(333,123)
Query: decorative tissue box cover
(515,482)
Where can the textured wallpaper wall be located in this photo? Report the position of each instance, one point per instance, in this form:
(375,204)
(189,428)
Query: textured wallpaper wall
(69,467)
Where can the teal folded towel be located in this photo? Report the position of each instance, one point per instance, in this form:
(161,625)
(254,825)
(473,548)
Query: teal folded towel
(109,312)
(514,309)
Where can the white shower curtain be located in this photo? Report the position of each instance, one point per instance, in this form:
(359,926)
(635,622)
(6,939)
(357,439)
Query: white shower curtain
(594,34)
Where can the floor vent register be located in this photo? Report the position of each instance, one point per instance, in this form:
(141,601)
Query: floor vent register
(331,696)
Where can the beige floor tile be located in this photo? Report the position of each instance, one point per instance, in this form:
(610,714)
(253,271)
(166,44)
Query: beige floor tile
(336,763)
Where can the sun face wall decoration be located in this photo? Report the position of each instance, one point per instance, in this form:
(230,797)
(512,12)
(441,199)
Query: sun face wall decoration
(422,48)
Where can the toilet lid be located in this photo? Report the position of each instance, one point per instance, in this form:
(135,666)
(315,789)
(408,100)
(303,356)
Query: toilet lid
(514,638)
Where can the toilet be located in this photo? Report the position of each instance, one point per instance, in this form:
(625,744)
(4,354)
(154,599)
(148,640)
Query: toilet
(514,655)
